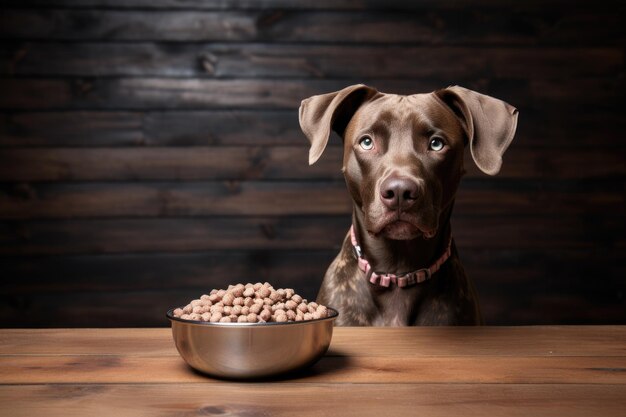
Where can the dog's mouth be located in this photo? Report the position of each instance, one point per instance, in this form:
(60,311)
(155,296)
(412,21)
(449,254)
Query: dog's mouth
(403,227)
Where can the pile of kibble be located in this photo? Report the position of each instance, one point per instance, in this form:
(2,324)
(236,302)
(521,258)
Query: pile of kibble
(251,303)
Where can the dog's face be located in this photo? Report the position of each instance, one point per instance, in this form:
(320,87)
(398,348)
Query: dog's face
(403,160)
(403,155)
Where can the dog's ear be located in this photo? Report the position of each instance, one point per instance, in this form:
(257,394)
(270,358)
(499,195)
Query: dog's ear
(320,114)
(489,124)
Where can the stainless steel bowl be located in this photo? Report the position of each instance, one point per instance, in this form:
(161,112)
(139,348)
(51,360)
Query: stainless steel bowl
(251,350)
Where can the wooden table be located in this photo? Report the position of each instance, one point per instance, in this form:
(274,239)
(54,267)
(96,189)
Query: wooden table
(477,371)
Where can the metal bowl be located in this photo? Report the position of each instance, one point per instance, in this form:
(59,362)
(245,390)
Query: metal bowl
(251,350)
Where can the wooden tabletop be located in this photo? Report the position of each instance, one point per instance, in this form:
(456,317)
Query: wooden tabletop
(458,371)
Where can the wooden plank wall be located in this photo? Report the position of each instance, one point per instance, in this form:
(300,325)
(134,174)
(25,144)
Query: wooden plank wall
(150,150)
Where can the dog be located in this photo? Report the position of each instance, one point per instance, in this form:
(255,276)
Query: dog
(402,163)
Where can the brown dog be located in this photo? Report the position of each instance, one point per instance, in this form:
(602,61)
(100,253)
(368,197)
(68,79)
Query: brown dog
(403,160)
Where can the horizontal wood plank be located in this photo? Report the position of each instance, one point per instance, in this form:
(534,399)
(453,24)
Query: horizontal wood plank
(455,26)
(199,234)
(286,399)
(113,369)
(147,308)
(253,198)
(279,162)
(196,93)
(162,271)
(304,61)
(488,341)
(546,127)
(291,5)
(497,272)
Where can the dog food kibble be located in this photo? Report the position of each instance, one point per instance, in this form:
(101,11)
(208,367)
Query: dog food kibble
(251,303)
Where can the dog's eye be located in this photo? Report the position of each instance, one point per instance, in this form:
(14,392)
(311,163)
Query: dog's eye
(366,143)
(435,144)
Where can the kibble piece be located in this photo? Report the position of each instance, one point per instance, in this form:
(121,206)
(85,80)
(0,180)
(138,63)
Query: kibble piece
(303,307)
(281,318)
(274,296)
(242,319)
(296,298)
(291,315)
(248,301)
(289,292)
(264,292)
(268,301)
(178,312)
(228,299)
(185,316)
(195,316)
(221,293)
(227,310)
(204,297)
(187,309)
(236,310)
(238,301)
(206,316)
(215,317)
(233,318)
(323,311)
(308,316)
(249,292)
(255,308)
(238,291)
(257,286)
(252,318)
(291,305)
(265,315)
(245,310)
(195,303)
(213,297)
(299,316)
(225,320)
(197,309)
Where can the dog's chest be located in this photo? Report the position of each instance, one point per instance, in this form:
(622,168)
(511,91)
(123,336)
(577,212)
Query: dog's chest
(396,306)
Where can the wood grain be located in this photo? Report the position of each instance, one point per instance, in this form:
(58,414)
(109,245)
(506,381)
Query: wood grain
(501,273)
(111,369)
(197,234)
(254,198)
(545,127)
(278,162)
(453,26)
(531,5)
(484,341)
(194,94)
(285,399)
(549,370)
(265,60)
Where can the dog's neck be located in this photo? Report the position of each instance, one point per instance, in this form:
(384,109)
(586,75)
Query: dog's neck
(400,256)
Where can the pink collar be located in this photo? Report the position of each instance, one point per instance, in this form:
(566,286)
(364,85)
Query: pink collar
(404,280)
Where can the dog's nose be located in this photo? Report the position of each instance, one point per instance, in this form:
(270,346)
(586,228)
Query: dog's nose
(398,193)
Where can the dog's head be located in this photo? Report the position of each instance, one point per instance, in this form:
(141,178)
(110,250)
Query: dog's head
(403,155)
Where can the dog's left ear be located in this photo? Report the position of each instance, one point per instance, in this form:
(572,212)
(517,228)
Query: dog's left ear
(489,124)
(320,114)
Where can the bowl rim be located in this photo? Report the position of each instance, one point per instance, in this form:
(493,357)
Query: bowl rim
(170,315)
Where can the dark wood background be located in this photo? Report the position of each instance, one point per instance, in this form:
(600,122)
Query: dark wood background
(150,149)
